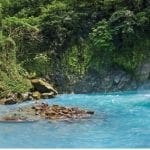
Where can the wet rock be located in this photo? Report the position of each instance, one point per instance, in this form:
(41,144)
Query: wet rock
(15,118)
(90,112)
(9,99)
(47,95)
(2,101)
(36,95)
(42,86)
(54,112)
(60,112)
(10,102)
(26,96)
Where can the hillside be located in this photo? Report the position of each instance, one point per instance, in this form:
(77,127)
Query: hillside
(79,46)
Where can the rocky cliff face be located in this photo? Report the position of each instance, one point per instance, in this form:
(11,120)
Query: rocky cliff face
(114,79)
(143,75)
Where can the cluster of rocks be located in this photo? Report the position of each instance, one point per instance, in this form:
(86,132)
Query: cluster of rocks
(41,90)
(47,112)
(60,112)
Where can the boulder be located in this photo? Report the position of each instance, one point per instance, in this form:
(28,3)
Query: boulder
(47,95)
(42,86)
(27,96)
(2,101)
(36,95)
(10,101)
(13,98)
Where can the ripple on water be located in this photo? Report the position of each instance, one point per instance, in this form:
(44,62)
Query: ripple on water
(120,120)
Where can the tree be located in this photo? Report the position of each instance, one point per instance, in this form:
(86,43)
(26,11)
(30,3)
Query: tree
(101,44)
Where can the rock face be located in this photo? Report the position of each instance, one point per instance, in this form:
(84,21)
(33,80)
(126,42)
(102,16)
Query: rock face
(113,79)
(44,111)
(108,80)
(143,71)
(42,86)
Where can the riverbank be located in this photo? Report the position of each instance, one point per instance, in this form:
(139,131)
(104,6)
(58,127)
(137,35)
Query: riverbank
(41,89)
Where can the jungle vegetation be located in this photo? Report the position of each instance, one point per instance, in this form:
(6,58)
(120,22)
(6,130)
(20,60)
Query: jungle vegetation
(70,36)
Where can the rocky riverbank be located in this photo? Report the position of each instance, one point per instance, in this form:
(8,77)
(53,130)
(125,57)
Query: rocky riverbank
(41,90)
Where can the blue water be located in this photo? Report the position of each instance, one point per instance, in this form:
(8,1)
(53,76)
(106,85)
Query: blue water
(121,120)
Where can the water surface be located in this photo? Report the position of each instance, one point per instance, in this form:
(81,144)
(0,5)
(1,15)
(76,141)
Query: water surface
(121,120)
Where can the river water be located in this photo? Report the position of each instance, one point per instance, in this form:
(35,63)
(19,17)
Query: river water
(121,120)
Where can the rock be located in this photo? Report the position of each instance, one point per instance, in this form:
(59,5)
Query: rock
(117,78)
(15,118)
(13,98)
(36,95)
(143,71)
(10,102)
(27,96)
(2,101)
(47,95)
(42,86)
(10,99)
(11,95)
(42,90)
(106,80)
(54,112)
(58,112)
(90,112)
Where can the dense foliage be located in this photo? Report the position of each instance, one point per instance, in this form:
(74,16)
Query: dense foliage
(71,36)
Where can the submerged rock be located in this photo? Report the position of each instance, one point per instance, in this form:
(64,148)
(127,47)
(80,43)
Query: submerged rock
(60,112)
(15,119)
(47,112)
